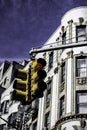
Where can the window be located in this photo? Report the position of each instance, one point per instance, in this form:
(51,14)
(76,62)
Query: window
(35,109)
(81,102)
(47,120)
(80,33)
(50,60)
(37,103)
(63,73)
(12,119)
(4,127)
(64,38)
(5,80)
(35,126)
(48,94)
(62,106)
(81,67)
(2,108)
(6,106)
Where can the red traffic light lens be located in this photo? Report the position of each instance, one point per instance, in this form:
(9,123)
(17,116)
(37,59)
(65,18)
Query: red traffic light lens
(41,62)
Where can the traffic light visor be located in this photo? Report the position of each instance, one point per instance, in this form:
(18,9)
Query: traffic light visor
(18,95)
(21,74)
(20,85)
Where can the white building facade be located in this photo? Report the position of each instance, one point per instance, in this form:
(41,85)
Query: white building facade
(64,106)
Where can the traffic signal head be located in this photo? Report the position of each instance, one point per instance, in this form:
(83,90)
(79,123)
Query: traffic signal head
(21,74)
(19,96)
(21,86)
(37,77)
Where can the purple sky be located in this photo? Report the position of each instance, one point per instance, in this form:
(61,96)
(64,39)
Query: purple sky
(29,23)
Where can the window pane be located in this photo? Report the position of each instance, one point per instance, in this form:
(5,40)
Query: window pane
(82,97)
(80,33)
(81,62)
(48,94)
(81,67)
(47,120)
(35,126)
(82,109)
(50,60)
(62,106)
(63,73)
(82,102)
(64,38)
(82,72)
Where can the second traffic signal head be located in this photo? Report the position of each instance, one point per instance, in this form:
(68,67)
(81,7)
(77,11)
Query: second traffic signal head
(21,86)
(37,77)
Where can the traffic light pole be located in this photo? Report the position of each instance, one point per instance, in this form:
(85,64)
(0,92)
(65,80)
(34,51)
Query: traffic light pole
(65,46)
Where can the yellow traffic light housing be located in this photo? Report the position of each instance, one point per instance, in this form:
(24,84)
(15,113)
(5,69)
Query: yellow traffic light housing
(21,87)
(37,77)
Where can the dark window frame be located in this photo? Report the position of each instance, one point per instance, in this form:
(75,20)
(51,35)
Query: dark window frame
(63,72)
(47,120)
(50,60)
(48,93)
(81,66)
(80,104)
(80,29)
(64,38)
(35,126)
(62,105)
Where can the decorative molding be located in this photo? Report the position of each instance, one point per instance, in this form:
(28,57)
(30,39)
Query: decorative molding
(81,20)
(56,70)
(70,117)
(70,21)
(70,54)
(57,39)
(81,81)
(60,34)
(81,53)
(83,123)
(62,28)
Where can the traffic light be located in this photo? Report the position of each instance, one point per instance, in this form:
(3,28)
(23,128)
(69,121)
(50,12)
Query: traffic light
(37,77)
(21,86)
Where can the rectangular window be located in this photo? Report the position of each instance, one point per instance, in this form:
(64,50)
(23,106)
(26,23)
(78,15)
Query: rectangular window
(82,102)
(12,119)
(48,94)
(81,67)
(64,38)
(47,120)
(35,126)
(62,106)
(80,33)
(63,73)
(2,107)
(6,106)
(4,127)
(36,105)
(50,60)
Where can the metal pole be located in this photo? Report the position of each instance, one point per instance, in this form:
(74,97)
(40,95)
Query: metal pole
(66,46)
